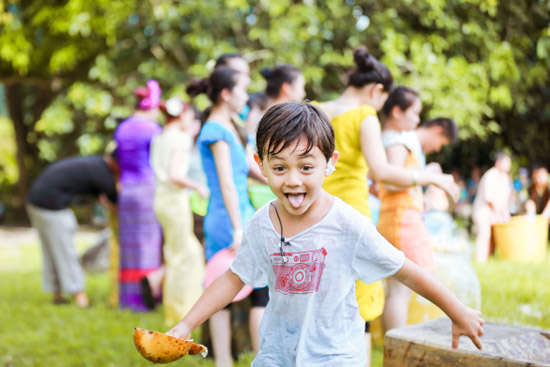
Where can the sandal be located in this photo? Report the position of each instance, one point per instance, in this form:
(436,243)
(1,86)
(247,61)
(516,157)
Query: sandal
(147,294)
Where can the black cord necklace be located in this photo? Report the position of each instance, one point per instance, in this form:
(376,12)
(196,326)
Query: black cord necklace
(283,241)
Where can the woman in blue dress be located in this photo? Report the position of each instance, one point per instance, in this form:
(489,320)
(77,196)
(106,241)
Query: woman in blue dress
(225,163)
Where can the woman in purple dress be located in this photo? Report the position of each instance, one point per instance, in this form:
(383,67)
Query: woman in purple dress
(140,236)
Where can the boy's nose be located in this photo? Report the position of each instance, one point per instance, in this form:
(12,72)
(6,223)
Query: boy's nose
(293,178)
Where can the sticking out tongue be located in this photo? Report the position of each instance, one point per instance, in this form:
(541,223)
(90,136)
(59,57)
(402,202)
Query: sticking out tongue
(296,199)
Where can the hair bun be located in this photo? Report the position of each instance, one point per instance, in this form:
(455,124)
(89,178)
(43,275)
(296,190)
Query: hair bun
(267,73)
(363,59)
(198,87)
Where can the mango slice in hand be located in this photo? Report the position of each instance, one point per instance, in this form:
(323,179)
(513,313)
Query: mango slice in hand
(161,348)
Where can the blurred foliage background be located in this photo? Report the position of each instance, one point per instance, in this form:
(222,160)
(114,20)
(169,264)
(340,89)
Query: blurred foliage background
(68,67)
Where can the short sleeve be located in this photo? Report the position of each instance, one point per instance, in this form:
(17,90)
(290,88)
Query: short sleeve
(391,137)
(249,264)
(213,132)
(374,257)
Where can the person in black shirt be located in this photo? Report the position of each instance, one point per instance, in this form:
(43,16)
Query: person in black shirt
(48,202)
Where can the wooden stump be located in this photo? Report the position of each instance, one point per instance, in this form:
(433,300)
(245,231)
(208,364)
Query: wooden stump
(429,344)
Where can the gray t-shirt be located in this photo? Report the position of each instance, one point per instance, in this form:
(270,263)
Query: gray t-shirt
(312,318)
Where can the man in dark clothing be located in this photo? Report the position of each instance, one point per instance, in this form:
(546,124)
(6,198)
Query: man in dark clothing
(48,209)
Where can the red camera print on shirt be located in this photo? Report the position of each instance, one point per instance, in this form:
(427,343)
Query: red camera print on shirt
(301,274)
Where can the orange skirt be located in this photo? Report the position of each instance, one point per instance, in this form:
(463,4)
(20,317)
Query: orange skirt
(405,229)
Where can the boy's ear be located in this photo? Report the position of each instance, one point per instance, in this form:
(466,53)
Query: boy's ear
(331,164)
(335,156)
(260,163)
(257,159)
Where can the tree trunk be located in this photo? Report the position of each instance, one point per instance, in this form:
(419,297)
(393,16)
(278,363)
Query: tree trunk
(24,116)
(14,99)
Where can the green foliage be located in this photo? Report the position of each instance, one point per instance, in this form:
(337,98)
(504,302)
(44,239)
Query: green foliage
(8,165)
(483,62)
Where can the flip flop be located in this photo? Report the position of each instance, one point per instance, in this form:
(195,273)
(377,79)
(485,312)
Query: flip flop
(147,294)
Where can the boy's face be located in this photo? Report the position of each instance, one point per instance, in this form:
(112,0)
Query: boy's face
(296,177)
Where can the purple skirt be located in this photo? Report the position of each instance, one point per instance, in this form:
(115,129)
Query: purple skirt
(140,241)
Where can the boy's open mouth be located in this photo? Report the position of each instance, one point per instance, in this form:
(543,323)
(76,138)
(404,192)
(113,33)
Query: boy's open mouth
(296,199)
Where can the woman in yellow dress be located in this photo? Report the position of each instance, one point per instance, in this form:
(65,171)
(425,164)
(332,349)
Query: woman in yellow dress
(359,142)
(183,254)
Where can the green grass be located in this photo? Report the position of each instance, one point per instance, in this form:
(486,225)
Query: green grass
(33,332)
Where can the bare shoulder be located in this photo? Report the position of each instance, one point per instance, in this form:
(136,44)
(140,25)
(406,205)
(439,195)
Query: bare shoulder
(335,108)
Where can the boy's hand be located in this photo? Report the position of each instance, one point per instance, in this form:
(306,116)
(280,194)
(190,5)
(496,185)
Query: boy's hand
(470,324)
(181,330)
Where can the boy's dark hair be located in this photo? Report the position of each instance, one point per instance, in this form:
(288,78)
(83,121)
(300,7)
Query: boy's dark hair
(277,76)
(285,123)
(402,97)
(447,125)
(369,70)
(223,60)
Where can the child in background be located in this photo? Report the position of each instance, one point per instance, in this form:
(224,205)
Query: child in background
(311,248)
(401,209)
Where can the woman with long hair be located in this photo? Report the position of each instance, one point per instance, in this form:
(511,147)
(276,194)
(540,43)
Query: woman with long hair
(358,140)
(222,145)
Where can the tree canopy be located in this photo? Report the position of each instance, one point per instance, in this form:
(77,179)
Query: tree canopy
(69,66)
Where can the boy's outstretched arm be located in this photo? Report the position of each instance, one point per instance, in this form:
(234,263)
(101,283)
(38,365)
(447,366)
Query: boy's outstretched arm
(466,321)
(215,297)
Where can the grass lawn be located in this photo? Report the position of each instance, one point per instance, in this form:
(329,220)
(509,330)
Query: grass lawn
(33,332)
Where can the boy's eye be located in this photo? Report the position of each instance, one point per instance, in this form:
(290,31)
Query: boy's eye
(307,168)
(278,168)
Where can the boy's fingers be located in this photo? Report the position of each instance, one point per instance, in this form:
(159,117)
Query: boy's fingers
(477,342)
(455,340)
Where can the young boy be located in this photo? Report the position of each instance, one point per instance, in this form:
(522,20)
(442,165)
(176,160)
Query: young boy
(311,247)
